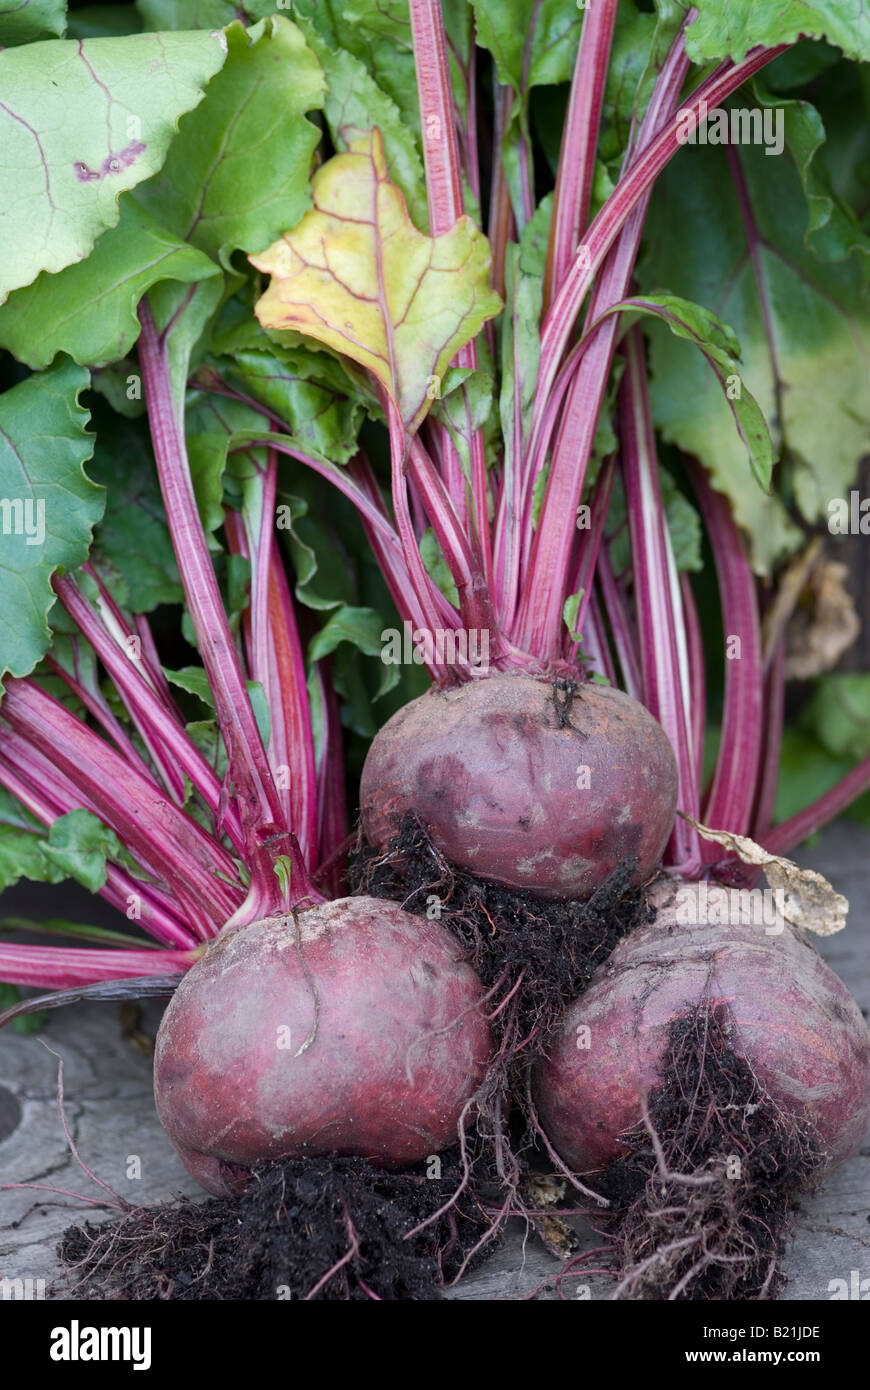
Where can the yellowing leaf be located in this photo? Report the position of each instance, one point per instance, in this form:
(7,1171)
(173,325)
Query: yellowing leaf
(357,275)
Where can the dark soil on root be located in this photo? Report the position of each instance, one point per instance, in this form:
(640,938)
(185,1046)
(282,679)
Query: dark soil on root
(325,1228)
(703,1201)
(549,949)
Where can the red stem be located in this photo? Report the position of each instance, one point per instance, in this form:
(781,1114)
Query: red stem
(579,142)
(665,694)
(262,819)
(732,794)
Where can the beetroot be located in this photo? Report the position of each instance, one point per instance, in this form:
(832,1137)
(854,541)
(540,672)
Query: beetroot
(532,784)
(351,1029)
(709,1077)
(794,1022)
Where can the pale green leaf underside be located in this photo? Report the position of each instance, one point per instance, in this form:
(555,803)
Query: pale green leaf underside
(729,28)
(80,123)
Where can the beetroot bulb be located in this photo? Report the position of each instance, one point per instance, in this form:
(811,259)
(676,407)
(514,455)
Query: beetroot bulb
(350,1028)
(731,1045)
(533,784)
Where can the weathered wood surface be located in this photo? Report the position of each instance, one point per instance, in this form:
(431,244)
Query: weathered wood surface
(110,1112)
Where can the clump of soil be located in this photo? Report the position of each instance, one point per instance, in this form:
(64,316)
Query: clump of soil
(325,1228)
(534,956)
(544,951)
(703,1201)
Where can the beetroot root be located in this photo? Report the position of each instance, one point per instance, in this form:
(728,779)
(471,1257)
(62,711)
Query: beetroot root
(351,1028)
(536,786)
(792,1020)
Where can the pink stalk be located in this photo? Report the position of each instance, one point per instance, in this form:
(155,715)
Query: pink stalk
(697,676)
(416,569)
(275,657)
(446,206)
(64,967)
(98,707)
(172,742)
(121,632)
(730,801)
(539,616)
(265,830)
(589,547)
(475,601)
(391,558)
(291,716)
(774,701)
(501,218)
(155,913)
(595,642)
(621,626)
(664,690)
(579,142)
(155,831)
(632,189)
(331,804)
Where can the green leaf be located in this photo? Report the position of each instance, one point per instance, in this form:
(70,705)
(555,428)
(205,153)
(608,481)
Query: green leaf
(399,303)
(26,1023)
(237,175)
(437,567)
(360,626)
(34,19)
(79,845)
(806,770)
(89,309)
(719,346)
(532,41)
(260,706)
(729,31)
(320,418)
(133,536)
(379,35)
(81,123)
(192,679)
(48,505)
(466,399)
(570,610)
(354,102)
(803,326)
(833,230)
(21,853)
(206,735)
(839,714)
(684,524)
